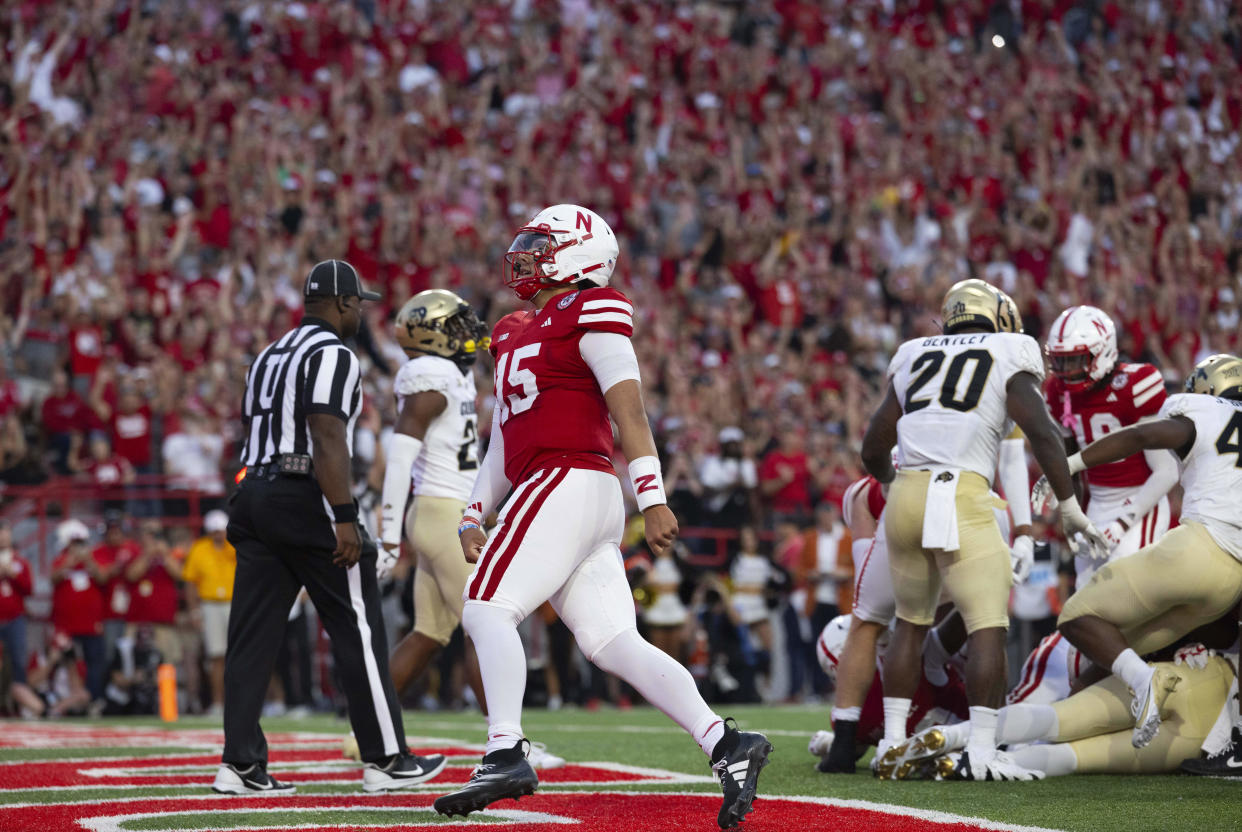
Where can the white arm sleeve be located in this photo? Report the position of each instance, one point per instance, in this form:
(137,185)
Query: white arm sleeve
(403,450)
(610,356)
(1163,477)
(491,486)
(1015,480)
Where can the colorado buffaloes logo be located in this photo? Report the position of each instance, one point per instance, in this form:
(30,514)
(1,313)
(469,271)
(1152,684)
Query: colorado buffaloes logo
(565,302)
(945,476)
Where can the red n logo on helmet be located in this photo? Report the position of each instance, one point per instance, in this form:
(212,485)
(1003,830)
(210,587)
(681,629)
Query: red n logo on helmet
(1100,326)
(583,221)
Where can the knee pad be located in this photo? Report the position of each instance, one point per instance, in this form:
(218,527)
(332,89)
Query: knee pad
(478,616)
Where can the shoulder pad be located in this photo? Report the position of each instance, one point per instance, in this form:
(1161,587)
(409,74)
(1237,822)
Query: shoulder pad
(601,309)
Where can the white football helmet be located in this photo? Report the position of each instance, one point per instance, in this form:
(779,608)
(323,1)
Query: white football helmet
(70,530)
(562,244)
(830,643)
(1082,347)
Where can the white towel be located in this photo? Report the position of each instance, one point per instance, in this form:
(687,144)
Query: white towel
(940,513)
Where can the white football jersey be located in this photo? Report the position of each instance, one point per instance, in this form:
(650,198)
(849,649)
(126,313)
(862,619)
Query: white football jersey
(449,460)
(1211,473)
(952,394)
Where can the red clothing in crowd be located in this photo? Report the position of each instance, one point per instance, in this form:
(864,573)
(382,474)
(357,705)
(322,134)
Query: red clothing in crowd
(77,601)
(131,435)
(14,589)
(112,559)
(65,414)
(85,350)
(796,494)
(153,597)
(111,471)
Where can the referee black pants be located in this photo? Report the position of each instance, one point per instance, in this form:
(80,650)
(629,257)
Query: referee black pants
(284,541)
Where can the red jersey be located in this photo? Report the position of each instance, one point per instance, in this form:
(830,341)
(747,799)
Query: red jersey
(77,602)
(14,589)
(131,435)
(153,597)
(552,411)
(1132,392)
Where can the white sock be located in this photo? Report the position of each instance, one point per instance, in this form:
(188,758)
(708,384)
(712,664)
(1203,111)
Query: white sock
(1026,723)
(502,662)
(1054,759)
(896,714)
(662,681)
(1130,667)
(846,714)
(957,735)
(982,742)
(934,659)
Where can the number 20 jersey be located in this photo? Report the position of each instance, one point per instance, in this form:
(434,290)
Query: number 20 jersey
(952,391)
(1211,472)
(552,412)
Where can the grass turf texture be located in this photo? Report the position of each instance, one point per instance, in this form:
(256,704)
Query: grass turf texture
(644,737)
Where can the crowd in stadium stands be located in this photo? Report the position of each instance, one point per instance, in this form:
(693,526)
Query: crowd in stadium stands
(794,185)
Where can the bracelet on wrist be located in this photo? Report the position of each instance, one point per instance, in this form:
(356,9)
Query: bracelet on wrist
(465,524)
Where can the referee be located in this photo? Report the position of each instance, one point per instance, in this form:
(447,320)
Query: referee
(294,523)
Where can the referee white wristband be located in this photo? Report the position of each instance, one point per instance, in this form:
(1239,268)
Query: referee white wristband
(648,483)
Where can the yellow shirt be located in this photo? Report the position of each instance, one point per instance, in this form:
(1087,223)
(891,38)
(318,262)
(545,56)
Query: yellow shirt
(211,569)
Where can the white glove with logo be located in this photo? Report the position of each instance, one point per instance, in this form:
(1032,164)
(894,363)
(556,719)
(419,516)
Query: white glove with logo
(1043,501)
(1112,534)
(1021,556)
(1082,535)
(386,561)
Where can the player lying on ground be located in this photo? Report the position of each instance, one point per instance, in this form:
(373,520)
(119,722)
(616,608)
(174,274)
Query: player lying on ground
(1193,574)
(1089,733)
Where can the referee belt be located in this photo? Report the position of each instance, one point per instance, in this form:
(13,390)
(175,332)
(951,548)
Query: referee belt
(285,465)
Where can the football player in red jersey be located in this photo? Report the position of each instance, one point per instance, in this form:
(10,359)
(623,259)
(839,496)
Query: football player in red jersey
(563,368)
(1092,395)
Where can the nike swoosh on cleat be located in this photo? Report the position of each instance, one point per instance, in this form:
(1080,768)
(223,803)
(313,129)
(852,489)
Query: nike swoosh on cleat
(1233,763)
(263,787)
(415,773)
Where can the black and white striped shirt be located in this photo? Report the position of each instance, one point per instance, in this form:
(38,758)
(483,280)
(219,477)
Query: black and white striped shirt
(308,370)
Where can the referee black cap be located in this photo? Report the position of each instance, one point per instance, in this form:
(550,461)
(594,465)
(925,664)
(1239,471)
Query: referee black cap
(336,278)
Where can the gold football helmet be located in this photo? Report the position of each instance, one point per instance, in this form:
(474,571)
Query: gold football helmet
(972,303)
(1009,319)
(1217,375)
(438,322)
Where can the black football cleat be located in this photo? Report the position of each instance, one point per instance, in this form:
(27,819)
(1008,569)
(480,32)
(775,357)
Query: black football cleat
(737,760)
(502,774)
(1224,763)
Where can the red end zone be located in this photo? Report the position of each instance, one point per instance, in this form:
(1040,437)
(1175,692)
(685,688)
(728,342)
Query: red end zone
(615,812)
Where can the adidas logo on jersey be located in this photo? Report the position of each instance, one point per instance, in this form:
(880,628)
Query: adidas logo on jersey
(1112,397)
(502,337)
(547,322)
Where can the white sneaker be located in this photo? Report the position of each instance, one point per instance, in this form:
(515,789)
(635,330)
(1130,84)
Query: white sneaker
(253,780)
(401,772)
(820,742)
(1145,708)
(958,766)
(540,757)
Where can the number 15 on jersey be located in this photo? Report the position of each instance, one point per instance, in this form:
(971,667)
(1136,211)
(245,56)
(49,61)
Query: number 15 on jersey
(516,386)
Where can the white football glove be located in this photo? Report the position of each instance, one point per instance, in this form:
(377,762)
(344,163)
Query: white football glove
(1081,534)
(385,562)
(1021,556)
(1193,655)
(1112,534)
(1043,501)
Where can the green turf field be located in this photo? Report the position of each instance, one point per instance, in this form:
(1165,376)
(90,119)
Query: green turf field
(643,737)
